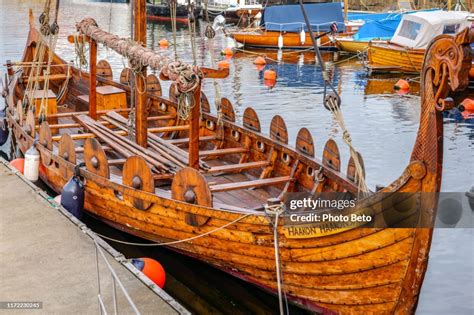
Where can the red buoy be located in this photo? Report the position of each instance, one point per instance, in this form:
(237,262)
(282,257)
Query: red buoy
(402,85)
(18,164)
(259,61)
(152,269)
(269,83)
(228,51)
(468,104)
(270,74)
(224,64)
(164,43)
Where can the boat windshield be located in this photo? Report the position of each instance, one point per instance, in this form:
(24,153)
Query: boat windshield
(410,29)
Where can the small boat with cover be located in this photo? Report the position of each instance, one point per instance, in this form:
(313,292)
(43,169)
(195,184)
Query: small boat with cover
(284,27)
(166,169)
(405,51)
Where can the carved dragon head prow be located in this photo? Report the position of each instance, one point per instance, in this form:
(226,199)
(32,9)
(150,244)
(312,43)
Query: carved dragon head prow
(447,65)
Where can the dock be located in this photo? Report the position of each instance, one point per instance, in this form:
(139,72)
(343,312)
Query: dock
(53,260)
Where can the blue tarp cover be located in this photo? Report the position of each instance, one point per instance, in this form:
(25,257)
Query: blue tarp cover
(383,29)
(289,18)
(379,25)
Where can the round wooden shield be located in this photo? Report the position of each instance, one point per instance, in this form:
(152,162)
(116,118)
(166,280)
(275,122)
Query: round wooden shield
(278,129)
(30,123)
(331,155)
(19,111)
(126,76)
(104,70)
(95,158)
(351,170)
(66,148)
(46,140)
(304,142)
(138,175)
(250,119)
(190,186)
(227,109)
(153,85)
(205,107)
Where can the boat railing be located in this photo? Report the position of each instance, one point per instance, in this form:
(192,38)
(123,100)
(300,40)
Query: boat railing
(115,281)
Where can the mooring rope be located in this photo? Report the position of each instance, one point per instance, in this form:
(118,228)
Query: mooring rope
(177,241)
(276,210)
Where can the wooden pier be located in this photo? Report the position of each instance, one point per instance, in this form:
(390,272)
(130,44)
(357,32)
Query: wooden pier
(48,256)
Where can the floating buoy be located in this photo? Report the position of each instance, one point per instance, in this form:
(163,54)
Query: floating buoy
(223,64)
(260,67)
(18,164)
(302,37)
(228,51)
(270,74)
(402,85)
(468,104)
(72,197)
(259,61)
(152,269)
(163,42)
(280,41)
(269,83)
(32,163)
(3,131)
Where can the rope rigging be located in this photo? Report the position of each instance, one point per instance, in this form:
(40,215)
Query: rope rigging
(332,102)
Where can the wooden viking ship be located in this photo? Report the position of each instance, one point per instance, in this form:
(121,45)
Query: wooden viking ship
(206,179)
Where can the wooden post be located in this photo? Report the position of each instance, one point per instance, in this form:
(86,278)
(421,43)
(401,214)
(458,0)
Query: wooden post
(449,5)
(139,10)
(346,9)
(194,121)
(93,78)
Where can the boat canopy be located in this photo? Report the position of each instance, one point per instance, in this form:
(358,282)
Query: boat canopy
(382,29)
(417,30)
(289,18)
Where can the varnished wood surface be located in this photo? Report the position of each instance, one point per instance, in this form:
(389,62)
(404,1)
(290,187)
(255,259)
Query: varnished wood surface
(360,270)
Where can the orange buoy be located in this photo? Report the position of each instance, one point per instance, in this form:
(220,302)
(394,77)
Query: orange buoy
(270,74)
(260,67)
(403,91)
(402,85)
(164,42)
(223,64)
(18,164)
(152,269)
(259,61)
(269,83)
(228,51)
(468,104)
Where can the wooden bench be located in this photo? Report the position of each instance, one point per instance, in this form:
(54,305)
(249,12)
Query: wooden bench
(237,167)
(50,99)
(225,151)
(251,184)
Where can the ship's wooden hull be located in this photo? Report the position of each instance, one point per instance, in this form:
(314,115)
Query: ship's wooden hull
(350,270)
(269,39)
(394,58)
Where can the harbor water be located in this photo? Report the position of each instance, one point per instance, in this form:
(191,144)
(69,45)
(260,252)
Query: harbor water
(383,127)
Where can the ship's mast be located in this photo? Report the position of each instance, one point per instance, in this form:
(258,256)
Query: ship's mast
(139,35)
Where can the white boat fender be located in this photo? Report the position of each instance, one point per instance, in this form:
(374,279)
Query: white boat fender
(32,162)
(72,196)
(280,41)
(302,37)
